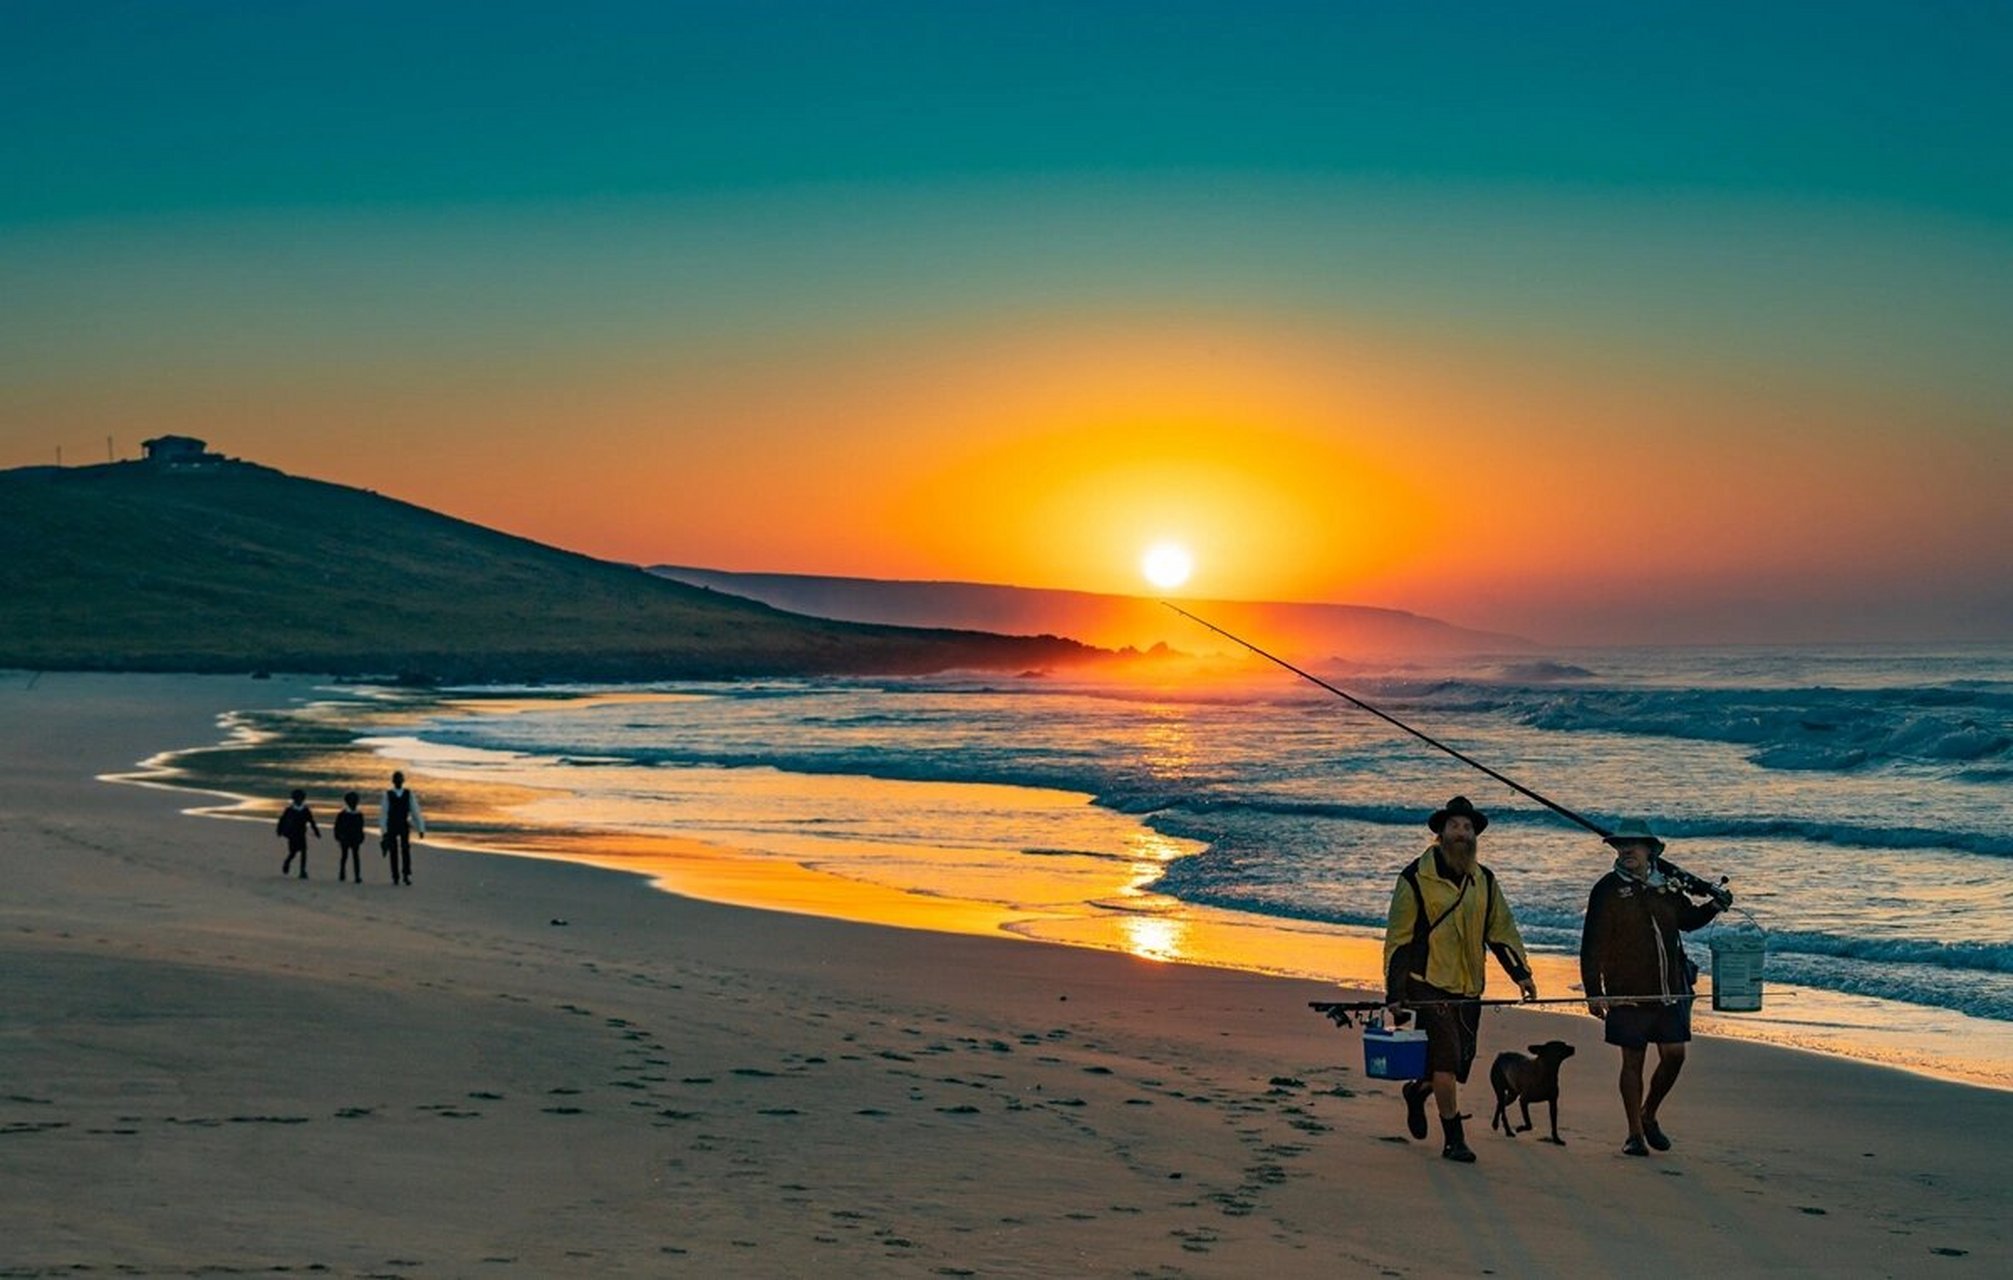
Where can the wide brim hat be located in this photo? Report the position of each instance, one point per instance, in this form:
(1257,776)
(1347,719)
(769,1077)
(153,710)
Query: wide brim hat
(1634,831)
(1458,807)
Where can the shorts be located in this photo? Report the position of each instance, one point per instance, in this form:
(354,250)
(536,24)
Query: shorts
(1451,1029)
(297,844)
(1634,1026)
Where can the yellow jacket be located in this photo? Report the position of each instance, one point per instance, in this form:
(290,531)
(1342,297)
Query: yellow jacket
(1472,913)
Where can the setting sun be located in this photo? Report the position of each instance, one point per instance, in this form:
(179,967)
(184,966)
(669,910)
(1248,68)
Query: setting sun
(1166,565)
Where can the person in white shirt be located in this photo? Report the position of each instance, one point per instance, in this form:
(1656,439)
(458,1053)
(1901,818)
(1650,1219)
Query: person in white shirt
(399,819)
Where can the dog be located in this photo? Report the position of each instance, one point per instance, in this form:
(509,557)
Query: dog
(1523,1081)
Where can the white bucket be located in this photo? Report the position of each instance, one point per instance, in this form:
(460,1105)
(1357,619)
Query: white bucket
(1737,959)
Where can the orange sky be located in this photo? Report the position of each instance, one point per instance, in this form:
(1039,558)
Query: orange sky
(1312,465)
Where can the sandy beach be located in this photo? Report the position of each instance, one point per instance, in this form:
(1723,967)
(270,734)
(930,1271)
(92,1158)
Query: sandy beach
(529,1068)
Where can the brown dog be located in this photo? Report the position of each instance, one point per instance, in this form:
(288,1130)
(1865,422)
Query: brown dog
(1526,1080)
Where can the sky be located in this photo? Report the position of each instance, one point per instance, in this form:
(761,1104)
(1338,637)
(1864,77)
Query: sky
(1596,323)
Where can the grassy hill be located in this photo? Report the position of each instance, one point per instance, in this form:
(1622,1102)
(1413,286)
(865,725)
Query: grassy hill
(237,567)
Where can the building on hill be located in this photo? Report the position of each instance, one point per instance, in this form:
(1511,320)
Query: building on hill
(180,451)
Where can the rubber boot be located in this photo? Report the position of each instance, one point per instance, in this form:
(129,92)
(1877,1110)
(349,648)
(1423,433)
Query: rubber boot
(1457,1144)
(1416,1093)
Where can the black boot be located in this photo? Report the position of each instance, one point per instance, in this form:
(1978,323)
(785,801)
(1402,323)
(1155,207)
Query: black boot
(1416,1092)
(1457,1145)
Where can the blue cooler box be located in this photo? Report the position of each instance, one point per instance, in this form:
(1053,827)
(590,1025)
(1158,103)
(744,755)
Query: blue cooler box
(1390,1054)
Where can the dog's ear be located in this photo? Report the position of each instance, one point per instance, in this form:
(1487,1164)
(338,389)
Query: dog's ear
(1537,1050)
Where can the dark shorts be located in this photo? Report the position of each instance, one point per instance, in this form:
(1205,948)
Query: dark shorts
(1451,1029)
(1633,1026)
(297,844)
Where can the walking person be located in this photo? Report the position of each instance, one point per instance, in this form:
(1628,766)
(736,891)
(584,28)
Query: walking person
(349,837)
(296,820)
(399,819)
(1637,976)
(1446,911)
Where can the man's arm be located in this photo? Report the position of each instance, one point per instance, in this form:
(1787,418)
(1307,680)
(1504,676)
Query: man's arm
(1508,944)
(1695,915)
(418,818)
(315,826)
(1594,945)
(1402,922)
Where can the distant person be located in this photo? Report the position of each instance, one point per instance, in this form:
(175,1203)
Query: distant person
(349,837)
(1445,910)
(1637,976)
(296,820)
(399,819)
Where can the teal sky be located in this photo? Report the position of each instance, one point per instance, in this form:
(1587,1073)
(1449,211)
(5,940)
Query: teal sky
(261,212)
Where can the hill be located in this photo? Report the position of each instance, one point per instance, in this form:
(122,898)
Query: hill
(234,567)
(1316,631)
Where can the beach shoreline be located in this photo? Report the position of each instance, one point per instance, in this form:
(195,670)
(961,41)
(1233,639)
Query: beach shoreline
(530,1066)
(508,804)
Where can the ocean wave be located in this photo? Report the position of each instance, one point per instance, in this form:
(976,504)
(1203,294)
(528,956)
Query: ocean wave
(1200,799)
(1970,977)
(1983,957)
(1804,729)
(1809,830)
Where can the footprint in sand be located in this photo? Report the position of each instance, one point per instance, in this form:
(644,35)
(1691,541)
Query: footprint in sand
(561,1111)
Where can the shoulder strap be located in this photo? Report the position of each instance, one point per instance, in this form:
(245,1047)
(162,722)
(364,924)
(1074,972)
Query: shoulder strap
(1421,930)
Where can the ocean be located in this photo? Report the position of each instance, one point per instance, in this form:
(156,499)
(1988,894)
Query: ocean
(1859,801)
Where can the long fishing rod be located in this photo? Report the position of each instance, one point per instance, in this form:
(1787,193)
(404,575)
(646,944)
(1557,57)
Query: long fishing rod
(1689,881)
(1342,1012)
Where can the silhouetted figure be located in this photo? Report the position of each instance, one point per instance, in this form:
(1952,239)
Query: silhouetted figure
(399,819)
(296,820)
(349,837)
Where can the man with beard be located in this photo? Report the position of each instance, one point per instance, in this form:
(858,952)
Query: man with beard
(1445,911)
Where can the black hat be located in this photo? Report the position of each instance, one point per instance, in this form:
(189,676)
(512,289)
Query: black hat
(1458,807)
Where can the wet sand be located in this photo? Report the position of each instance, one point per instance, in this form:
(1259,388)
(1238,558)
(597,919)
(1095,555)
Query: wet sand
(205,1066)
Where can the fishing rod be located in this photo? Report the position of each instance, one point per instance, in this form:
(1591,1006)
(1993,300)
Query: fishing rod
(1690,883)
(1343,1012)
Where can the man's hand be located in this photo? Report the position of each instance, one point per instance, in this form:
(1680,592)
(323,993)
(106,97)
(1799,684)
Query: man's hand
(1599,1008)
(1529,987)
(1396,1014)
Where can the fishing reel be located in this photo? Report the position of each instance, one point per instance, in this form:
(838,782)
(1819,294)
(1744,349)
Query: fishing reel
(1697,886)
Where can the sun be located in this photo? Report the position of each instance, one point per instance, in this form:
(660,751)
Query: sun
(1167,565)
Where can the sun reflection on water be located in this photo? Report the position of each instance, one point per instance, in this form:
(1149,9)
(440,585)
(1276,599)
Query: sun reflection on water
(1154,937)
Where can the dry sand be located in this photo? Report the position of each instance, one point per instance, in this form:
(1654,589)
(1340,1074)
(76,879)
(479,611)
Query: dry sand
(207,1068)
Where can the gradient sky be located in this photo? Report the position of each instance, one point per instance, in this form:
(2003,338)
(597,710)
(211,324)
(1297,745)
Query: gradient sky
(1592,322)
